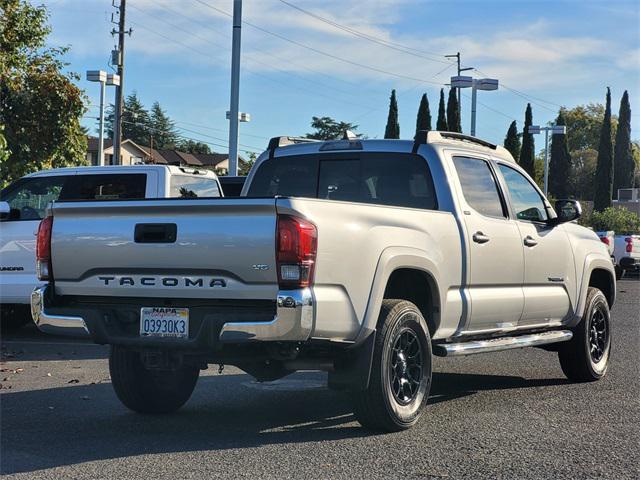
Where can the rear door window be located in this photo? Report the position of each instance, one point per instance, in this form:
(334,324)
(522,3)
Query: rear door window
(115,186)
(186,186)
(386,179)
(479,186)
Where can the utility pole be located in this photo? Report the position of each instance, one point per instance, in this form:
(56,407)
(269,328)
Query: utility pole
(118,56)
(460,70)
(234,109)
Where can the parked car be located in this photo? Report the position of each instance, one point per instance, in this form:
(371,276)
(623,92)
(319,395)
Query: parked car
(627,254)
(363,258)
(231,186)
(608,238)
(23,205)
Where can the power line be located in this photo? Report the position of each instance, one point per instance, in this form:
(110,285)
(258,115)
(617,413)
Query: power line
(322,52)
(264,52)
(312,92)
(386,43)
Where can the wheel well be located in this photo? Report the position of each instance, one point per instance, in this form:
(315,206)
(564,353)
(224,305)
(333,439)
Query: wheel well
(602,280)
(419,288)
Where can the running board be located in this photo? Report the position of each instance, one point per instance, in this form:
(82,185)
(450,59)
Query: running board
(502,343)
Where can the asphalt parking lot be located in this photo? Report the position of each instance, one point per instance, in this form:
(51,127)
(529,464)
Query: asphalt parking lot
(502,415)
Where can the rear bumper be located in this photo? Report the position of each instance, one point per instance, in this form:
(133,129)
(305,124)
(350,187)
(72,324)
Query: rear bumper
(292,322)
(51,323)
(630,263)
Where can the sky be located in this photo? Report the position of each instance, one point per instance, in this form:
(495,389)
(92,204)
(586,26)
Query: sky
(295,65)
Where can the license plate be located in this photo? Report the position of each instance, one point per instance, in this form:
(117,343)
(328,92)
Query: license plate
(164,322)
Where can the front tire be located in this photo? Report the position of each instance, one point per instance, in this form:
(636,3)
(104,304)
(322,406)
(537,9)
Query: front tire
(401,370)
(149,391)
(585,358)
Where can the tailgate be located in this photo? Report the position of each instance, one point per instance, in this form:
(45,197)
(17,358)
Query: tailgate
(204,248)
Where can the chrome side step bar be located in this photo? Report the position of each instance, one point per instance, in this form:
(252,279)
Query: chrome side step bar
(502,343)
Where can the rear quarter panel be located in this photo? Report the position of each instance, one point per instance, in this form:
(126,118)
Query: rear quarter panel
(359,246)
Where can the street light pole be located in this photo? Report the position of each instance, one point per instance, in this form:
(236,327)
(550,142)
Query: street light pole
(474,98)
(555,130)
(99,76)
(235,88)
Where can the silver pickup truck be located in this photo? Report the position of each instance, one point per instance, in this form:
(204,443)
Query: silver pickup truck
(359,257)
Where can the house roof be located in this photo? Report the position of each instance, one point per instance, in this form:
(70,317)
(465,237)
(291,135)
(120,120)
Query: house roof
(168,157)
(93,142)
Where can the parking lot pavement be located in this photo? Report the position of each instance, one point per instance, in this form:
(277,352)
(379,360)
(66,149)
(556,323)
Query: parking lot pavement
(507,415)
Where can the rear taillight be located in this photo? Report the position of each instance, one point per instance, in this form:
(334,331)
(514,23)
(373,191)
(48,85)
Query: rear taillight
(629,247)
(296,247)
(43,249)
(605,240)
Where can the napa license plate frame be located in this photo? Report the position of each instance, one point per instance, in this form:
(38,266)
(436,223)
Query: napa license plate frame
(164,322)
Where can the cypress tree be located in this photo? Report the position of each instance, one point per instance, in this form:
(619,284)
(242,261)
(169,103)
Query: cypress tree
(423,120)
(453,112)
(623,164)
(560,163)
(527,153)
(392,129)
(442,118)
(604,169)
(512,141)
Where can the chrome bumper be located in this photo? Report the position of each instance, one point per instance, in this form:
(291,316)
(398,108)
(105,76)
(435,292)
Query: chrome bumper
(55,324)
(293,321)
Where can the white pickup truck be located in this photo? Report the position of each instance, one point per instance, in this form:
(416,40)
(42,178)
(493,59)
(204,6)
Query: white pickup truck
(626,254)
(359,257)
(23,204)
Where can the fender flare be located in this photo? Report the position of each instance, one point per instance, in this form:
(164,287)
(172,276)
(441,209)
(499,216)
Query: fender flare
(592,262)
(390,260)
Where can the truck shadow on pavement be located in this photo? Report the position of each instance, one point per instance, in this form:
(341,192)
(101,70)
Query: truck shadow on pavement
(76,424)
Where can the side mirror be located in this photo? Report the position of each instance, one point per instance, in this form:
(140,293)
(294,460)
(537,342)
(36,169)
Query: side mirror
(567,210)
(5,211)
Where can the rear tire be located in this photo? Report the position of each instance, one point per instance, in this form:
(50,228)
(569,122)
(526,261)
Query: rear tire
(400,373)
(149,391)
(585,358)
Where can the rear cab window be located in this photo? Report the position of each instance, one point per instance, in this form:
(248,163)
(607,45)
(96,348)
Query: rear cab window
(393,179)
(188,186)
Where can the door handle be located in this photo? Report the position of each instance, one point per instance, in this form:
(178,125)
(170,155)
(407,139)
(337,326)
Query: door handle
(529,241)
(480,237)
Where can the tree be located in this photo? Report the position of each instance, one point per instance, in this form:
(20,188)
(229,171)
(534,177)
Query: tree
(527,153)
(453,112)
(623,164)
(136,121)
(40,106)
(163,129)
(584,123)
(329,129)
(192,146)
(512,141)
(392,130)
(604,170)
(423,120)
(560,163)
(441,124)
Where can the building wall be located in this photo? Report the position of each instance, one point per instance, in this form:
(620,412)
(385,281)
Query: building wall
(129,155)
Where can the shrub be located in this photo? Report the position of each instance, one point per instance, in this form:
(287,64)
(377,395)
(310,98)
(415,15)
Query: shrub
(618,219)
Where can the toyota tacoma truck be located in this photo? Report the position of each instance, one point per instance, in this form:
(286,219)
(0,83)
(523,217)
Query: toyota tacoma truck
(23,204)
(363,258)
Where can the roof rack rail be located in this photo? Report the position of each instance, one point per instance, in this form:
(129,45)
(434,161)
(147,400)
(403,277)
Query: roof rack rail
(283,141)
(424,137)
